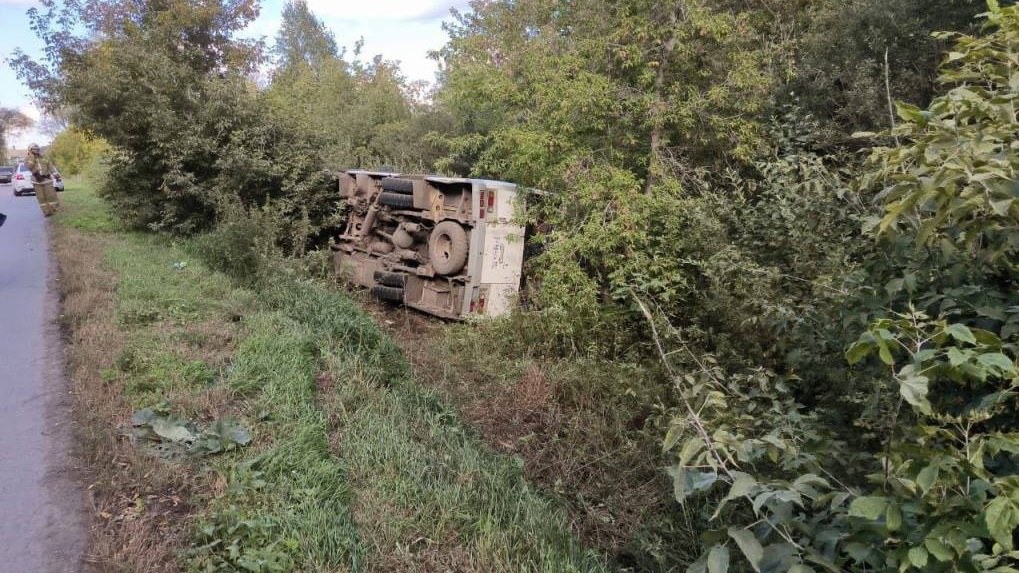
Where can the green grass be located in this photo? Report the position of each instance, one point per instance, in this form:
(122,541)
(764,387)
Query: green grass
(417,462)
(306,492)
(354,466)
(414,454)
(88,212)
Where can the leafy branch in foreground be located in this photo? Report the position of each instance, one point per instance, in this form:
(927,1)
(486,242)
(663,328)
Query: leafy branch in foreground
(942,495)
(939,491)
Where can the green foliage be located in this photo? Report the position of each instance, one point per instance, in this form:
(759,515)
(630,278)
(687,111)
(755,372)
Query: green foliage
(74,152)
(938,490)
(249,244)
(667,179)
(232,540)
(950,472)
(231,153)
(954,187)
(360,114)
(543,90)
(841,73)
(937,497)
(165,84)
(772,254)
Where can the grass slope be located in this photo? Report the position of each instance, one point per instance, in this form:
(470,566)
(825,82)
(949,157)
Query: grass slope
(353,466)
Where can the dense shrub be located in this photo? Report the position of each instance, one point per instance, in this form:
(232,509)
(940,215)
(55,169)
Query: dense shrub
(936,487)
(252,243)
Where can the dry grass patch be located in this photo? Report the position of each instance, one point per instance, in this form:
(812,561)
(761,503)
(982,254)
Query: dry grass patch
(126,535)
(142,510)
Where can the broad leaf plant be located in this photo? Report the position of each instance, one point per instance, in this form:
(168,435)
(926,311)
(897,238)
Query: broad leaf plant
(941,493)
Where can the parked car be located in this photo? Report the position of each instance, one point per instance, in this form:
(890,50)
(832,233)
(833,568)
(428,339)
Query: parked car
(23,181)
(6,174)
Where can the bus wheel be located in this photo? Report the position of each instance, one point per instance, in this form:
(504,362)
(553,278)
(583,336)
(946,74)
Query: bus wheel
(392,294)
(447,248)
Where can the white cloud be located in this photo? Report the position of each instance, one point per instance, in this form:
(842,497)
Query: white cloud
(402,30)
(407,42)
(385,9)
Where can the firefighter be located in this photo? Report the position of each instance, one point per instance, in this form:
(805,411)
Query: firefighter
(42,180)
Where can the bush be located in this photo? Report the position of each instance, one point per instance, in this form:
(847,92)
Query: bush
(937,487)
(252,243)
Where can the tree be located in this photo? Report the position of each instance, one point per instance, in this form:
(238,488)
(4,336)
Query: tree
(359,113)
(841,68)
(642,85)
(303,39)
(165,84)
(626,112)
(11,120)
(74,152)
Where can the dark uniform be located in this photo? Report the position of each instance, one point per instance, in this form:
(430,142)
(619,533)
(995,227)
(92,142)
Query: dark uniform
(42,180)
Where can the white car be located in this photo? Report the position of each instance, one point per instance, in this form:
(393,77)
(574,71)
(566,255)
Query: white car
(21,180)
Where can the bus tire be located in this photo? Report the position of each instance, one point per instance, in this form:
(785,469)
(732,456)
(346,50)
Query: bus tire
(405,186)
(397,200)
(447,248)
(392,294)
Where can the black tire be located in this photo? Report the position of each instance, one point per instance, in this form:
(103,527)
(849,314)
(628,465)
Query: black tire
(388,279)
(447,248)
(405,186)
(392,294)
(397,200)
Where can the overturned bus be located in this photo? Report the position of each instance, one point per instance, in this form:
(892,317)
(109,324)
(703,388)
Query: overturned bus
(449,246)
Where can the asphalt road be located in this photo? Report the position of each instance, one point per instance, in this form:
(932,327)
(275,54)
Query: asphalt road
(41,498)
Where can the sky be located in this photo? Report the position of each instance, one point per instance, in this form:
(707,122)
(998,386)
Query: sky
(403,30)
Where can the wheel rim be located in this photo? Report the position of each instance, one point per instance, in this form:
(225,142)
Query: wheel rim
(445,244)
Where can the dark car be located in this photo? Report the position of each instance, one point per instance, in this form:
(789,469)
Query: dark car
(6,173)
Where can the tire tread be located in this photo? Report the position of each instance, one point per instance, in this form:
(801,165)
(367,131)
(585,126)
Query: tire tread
(391,294)
(397,200)
(396,185)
